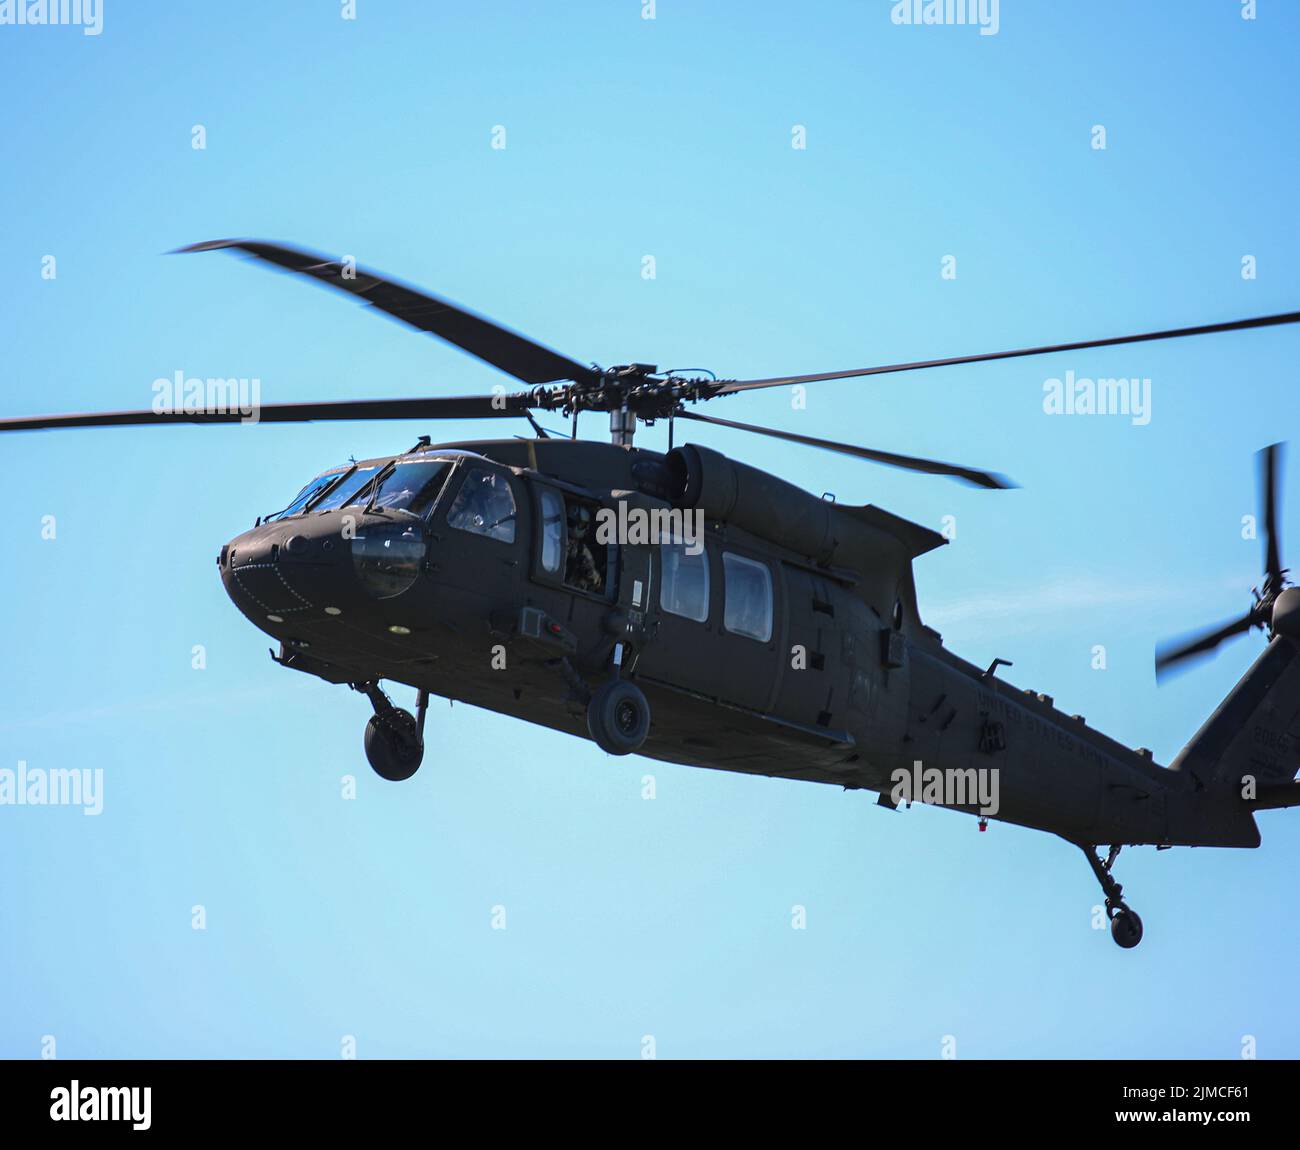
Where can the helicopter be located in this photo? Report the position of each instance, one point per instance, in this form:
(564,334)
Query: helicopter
(698,610)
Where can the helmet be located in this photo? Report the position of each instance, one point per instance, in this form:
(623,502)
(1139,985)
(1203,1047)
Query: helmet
(579,519)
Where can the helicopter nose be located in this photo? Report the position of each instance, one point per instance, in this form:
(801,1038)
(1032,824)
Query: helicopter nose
(314,568)
(279,572)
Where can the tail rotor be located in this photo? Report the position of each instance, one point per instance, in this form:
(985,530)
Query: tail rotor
(1276,608)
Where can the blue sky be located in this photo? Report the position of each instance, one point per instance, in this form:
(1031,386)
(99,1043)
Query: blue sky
(628,137)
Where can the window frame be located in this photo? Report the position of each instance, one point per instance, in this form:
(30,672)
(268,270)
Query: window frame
(314,506)
(540,573)
(664,548)
(333,475)
(390,470)
(613,551)
(468,469)
(747,561)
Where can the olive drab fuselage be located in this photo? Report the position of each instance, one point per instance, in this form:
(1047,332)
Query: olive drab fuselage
(788,645)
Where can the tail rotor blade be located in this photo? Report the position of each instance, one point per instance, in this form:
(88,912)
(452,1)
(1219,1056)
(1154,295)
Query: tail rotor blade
(1270,460)
(1169,657)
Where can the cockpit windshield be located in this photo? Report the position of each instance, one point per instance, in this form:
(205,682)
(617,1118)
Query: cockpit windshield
(412,485)
(308,493)
(342,494)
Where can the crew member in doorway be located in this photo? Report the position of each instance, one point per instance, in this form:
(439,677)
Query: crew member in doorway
(580,570)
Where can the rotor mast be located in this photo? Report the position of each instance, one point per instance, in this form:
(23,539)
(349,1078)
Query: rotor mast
(622,392)
(622,425)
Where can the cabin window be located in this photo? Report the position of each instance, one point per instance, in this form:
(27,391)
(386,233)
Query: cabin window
(748,597)
(552,529)
(684,581)
(485,505)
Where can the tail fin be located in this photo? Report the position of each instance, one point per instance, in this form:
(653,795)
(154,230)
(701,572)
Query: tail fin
(1255,731)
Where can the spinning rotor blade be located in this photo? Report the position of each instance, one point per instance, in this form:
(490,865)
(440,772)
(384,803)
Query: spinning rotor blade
(455,407)
(1267,596)
(1168,657)
(887,369)
(1270,462)
(504,349)
(910,463)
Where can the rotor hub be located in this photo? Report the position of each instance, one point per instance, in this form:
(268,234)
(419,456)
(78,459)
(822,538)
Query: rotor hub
(1286,613)
(629,392)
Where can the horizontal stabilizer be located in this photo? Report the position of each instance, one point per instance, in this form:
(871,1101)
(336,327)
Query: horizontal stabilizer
(916,540)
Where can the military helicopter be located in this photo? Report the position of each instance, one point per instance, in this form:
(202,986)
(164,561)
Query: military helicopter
(781,637)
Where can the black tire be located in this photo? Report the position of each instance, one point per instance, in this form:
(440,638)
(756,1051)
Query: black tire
(1126,928)
(395,755)
(618,717)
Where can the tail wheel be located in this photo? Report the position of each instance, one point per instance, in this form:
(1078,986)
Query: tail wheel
(618,717)
(1126,928)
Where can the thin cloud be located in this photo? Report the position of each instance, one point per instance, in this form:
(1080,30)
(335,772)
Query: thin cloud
(1055,604)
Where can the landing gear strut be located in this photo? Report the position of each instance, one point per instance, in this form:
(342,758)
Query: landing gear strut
(1125,925)
(394,737)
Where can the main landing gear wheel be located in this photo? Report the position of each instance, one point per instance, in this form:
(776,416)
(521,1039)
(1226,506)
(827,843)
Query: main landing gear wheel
(394,738)
(393,746)
(618,717)
(1125,925)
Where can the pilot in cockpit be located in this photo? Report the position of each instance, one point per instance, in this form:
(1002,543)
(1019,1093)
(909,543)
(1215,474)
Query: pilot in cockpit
(485,505)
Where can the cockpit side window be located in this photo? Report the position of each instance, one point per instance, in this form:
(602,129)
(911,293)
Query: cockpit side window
(485,505)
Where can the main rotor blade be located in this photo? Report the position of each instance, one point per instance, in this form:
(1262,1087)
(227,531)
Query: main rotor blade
(1167,657)
(1270,461)
(887,369)
(509,351)
(911,463)
(453,407)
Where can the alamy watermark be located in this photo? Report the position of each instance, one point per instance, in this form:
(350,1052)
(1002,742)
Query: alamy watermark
(77,1103)
(640,527)
(983,14)
(60,787)
(86,14)
(1083,396)
(214,396)
(947,787)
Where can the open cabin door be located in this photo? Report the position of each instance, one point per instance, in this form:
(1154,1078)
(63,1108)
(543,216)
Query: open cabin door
(584,577)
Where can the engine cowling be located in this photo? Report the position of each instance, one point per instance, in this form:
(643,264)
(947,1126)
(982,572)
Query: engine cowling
(754,501)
